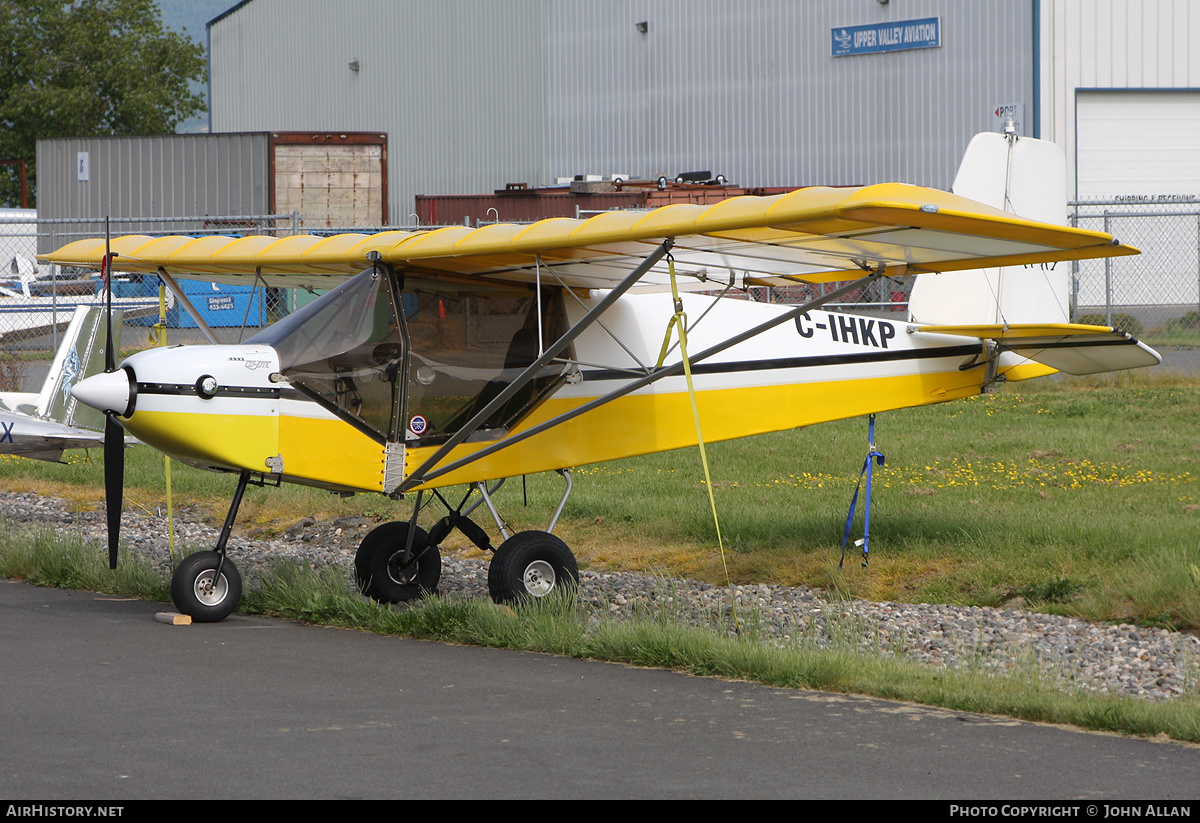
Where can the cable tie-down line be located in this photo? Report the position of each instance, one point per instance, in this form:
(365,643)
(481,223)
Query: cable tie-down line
(678,323)
(873,456)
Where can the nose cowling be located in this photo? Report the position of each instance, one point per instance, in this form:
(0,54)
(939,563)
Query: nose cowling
(214,406)
(109,391)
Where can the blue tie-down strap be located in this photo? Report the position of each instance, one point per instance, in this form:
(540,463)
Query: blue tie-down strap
(873,456)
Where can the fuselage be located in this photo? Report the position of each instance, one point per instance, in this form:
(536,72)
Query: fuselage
(238,408)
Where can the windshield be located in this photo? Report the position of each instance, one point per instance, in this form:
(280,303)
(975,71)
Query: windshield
(467,345)
(337,321)
(345,351)
(422,373)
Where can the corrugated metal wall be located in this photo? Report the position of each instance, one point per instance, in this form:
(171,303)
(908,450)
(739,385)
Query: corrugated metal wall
(1126,43)
(456,84)
(161,175)
(749,90)
(1135,45)
(475,93)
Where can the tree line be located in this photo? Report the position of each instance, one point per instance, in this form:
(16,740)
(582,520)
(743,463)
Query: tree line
(89,68)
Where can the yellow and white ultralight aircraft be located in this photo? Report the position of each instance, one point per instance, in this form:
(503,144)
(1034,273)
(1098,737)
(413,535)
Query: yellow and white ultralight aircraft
(466,356)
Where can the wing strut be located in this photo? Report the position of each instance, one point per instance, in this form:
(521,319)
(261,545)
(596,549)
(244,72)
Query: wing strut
(424,475)
(419,475)
(187,304)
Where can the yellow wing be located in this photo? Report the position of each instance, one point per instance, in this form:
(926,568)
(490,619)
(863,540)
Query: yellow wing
(813,235)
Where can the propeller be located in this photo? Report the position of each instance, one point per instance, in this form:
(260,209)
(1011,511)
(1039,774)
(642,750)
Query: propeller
(114,434)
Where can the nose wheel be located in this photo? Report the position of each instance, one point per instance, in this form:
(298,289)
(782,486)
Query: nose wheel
(205,588)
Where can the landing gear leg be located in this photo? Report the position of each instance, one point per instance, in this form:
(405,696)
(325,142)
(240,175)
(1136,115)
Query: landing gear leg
(532,564)
(207,586)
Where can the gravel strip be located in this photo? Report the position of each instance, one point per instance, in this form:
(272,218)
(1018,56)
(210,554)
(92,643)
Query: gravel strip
(1152,664)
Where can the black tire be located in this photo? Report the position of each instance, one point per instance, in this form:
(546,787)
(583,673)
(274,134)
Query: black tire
(194,592)
(531,565)
(379,573)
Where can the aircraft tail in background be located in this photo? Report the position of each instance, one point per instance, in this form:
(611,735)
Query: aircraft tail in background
(42,424)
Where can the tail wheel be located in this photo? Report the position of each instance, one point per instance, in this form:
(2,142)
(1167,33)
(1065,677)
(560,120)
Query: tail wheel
(531,565)
(201,593)
(385,574)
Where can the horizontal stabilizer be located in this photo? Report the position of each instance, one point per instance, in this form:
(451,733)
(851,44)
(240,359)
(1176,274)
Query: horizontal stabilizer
(27,436)
(1072,348)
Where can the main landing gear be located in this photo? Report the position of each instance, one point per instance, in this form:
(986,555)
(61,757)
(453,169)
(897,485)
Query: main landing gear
(392,568)
(400,561)
(531,565)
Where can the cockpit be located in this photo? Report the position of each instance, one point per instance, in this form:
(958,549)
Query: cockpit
(412,356)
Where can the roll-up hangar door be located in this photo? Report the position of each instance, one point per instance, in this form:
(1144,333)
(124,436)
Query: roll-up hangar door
(1137,157)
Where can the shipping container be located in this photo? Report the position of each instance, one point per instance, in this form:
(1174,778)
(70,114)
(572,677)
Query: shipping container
(326,178)
(526,205)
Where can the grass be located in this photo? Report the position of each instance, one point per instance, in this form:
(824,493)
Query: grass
(1173,334)
(47,557)
(1073,496)
(830,661)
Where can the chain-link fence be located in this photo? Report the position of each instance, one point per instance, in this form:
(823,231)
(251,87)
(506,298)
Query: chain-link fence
(38,301)
(1154,295)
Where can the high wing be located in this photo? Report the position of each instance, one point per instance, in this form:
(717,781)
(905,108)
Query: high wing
(814,235)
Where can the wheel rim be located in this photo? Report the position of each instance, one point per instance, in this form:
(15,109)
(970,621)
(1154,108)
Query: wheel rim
(539,578)
(400,573)
(208,592)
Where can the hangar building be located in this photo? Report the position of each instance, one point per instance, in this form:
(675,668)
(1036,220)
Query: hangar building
(475,94)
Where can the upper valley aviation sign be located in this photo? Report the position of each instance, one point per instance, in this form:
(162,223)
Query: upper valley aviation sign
(925,33)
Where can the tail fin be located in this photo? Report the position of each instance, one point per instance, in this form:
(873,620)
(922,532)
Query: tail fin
(1024,311)
(1023,176)
(42,425)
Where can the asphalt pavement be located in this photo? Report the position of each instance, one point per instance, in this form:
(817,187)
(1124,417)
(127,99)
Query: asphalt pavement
(101,702)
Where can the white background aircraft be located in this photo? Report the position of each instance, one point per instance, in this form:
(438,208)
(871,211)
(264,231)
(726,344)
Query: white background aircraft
(43,424)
